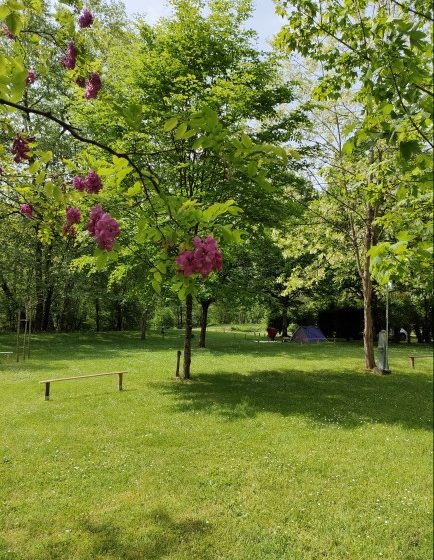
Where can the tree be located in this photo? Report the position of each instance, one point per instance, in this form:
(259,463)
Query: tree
(381,53)
(127,178)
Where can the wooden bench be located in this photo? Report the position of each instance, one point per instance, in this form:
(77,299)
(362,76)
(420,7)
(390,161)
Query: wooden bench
(48,382)
(412,358)
(7,354)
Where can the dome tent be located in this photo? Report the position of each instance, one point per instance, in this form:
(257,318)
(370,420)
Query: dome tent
(308,334)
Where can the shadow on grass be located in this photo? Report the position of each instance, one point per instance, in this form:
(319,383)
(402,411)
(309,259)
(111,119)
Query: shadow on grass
(347,399)
(163,537)
(54,347)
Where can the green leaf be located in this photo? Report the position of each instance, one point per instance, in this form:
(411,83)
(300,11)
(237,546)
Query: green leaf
(15,22)
(4,11)
(348,147)
(170,124)
(246,141)
(252,169)
(408,148)
(156,285)
(47,156)
(181,130)
(134,190)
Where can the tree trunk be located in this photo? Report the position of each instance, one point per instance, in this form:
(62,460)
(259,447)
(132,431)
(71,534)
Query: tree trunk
(188,333)
(180,319)
(144,323)
(285,323)
(46,318)
(119,317)
(204,322)
(11,304)
(97,315)
(39,288)
(368,332)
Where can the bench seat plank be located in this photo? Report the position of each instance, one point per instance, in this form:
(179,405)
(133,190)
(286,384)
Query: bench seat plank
(48,382)
(82,376)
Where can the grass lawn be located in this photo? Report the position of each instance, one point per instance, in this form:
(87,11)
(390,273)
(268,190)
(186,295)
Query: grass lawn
(273,451)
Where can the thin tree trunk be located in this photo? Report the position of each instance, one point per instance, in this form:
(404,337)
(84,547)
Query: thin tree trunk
(188,333)
(39,287)
(144,323)
(285,323)
(97,315)
(368,332)
(119,317)
(46,319)
(204,322)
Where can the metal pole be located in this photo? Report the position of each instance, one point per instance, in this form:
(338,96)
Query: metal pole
(386,349)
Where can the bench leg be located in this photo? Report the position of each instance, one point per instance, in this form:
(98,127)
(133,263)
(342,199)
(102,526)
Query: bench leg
(47,391)
(120,381)
(412,361)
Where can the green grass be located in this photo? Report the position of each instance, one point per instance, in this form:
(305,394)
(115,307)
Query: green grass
(273,451)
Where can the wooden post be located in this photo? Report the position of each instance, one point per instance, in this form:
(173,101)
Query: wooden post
(18,334)
(29,328)
(25,337)
(120,381)
(412,361)
(47,391)
(178,361)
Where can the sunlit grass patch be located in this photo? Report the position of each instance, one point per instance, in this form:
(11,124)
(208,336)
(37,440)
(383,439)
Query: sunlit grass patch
(271,452)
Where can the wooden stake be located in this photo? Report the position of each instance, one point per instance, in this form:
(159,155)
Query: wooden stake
(18,334)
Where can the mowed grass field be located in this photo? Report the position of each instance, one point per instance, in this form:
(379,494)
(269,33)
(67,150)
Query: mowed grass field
(271,452)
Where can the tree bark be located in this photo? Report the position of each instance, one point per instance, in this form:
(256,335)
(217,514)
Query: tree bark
(188,334)
(119,317)
(144,323)
(204,321)
(46,318)
(285,322)
(97,315)
(368,332)
(39,287)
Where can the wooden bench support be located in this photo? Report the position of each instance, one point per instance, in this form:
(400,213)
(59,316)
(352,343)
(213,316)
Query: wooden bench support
(48,382)
(412,358)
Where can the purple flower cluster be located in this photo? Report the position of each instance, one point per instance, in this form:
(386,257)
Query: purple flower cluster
(20,148)
(85,19)
(91,183)
(204,259)
(103,227)
(69,60)
(72,215)
(26,210)
(80,81)
(31,77)
(70,231)
(93,85)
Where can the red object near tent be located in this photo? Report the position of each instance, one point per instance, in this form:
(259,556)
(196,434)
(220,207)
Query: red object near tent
(271,332)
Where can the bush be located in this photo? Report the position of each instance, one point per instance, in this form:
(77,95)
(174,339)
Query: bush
(163,317)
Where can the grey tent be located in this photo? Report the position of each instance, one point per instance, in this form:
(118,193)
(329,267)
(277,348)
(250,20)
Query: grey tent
(308,334)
